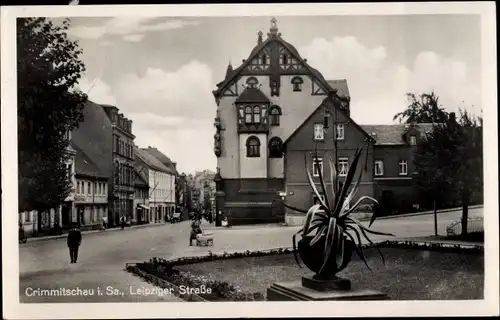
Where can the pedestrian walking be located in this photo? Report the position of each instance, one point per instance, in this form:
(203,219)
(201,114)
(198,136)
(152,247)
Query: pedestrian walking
(122,222)
(74,241)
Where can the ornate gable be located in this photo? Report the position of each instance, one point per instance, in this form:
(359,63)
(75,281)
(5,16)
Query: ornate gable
(273,57)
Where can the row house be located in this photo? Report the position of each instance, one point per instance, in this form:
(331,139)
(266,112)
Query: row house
(91,191)
(94,138)
(161,182)
(141,199)
(122,184)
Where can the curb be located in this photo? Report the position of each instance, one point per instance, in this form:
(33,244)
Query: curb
(421,213)
(64,235)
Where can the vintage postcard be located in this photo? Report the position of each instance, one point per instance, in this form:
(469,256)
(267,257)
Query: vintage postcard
(262,156)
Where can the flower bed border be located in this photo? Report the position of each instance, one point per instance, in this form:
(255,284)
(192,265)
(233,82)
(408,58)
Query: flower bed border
(406,244)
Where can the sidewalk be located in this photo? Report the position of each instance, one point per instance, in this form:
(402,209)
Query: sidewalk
(441,240)
(64,235)
(367,216)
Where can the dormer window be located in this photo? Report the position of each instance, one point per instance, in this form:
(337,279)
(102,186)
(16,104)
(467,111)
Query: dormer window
(274,115)
(252,82)
(413,140)
(297,83)
(253,147)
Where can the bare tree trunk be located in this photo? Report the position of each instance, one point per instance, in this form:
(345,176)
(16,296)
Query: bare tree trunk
(435,219)
(465,211)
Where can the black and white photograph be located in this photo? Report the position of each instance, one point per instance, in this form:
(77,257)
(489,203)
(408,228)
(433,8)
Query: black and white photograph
(268,155)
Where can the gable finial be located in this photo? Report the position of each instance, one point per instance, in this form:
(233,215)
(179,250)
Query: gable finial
(259,37)
(274,27)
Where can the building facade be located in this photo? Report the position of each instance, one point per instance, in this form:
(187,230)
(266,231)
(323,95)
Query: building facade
(122,186)
(141,200)
(161,184)
(94,139)
(259,105)
(91,191)
(327,134)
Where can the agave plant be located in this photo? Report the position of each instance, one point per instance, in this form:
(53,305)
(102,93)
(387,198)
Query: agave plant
(329,224)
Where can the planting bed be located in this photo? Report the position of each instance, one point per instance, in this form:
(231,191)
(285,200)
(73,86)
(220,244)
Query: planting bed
(409,274)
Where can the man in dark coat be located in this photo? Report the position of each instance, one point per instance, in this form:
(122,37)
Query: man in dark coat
(74,241)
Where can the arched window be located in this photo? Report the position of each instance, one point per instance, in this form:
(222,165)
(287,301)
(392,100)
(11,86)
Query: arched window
(256,114)
(253,147)
(274,115)
(297,83)
(252,82)
(275,148)
(248,114)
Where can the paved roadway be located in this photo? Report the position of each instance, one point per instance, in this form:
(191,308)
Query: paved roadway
(102,257)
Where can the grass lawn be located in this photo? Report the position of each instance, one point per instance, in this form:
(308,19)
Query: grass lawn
(409,274)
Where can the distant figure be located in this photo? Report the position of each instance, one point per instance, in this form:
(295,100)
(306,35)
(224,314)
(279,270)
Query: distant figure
(122,222)
(22,237)
(195,230)
(104,223)
(74,241)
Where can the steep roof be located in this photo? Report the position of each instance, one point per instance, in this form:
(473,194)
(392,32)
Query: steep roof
(273,36)
(150,161)
(327,102)
(94,136)
(253,95)
(341,86)
(392,134)
(160,156)
(85,166)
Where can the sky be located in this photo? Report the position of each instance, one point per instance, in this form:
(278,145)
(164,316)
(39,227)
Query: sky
(160,71)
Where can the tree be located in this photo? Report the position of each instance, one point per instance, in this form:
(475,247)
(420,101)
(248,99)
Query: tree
(48,68)
(450,161)
(425,109)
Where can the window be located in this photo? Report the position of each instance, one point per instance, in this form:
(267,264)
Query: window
(274,116)
(252,82)
(413,140)
(343,166)
(117,144)
(379,167)
(69,167)
(316,200)
(319,133)
(297,83)
(248,114)
(264,59)
(78,187)
(27,216)
(253,147)
(340,131)
(256,114)
(89,190)
(403,167)
(275,148)
(317,162)
(284,59)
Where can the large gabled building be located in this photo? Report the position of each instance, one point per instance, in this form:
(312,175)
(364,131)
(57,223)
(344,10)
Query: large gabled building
(259,105)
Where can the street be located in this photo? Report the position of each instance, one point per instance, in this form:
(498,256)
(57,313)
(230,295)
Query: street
(102,257)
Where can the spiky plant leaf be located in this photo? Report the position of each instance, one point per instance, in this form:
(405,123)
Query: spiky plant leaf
(329,242)
(313,186)
(347,182)
(309,217)
(358,247)
(355,221)
(319,234)
(312,228)
(322,183)
(363,232)
(357,204)
(333,179)
(294,209)
(295,249)
(352,193)
(339,259)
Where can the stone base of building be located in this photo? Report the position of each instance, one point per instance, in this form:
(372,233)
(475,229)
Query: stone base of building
(295,291)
